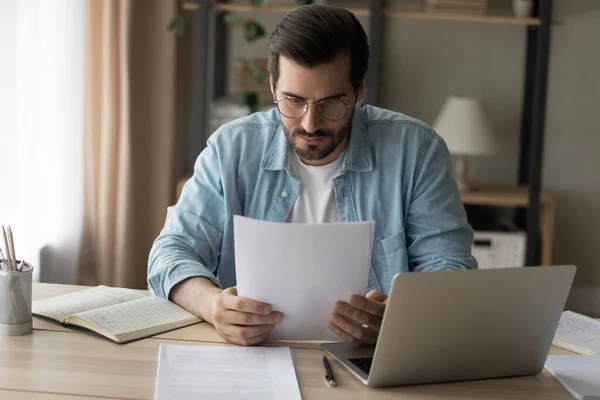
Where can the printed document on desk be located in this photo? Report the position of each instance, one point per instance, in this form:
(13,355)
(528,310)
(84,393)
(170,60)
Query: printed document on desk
(225,372)
(580,375)
(302,270)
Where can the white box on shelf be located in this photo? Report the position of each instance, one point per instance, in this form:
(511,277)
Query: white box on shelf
(499,249)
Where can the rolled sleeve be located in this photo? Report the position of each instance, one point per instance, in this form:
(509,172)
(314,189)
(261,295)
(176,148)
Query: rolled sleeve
(178,274)
(190,243)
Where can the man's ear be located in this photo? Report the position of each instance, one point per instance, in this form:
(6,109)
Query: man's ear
(360,94)
(361,91)
(272,86)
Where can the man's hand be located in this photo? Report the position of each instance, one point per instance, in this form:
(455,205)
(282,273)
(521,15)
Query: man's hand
(240,320)
(359,320)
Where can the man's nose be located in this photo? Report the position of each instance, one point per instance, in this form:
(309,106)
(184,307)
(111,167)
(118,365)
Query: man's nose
(311,120)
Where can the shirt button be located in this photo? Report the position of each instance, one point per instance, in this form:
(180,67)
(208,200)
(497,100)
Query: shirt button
(284,194)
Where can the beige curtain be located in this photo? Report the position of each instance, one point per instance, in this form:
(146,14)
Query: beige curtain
(130,137)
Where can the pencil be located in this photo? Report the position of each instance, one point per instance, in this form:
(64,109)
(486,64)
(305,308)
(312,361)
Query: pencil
(11,243)
(6,248)
(3,261)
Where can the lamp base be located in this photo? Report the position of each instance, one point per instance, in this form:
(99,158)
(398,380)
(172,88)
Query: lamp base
(461,173)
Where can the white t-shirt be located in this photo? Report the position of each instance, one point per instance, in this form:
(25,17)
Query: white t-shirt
(316,198)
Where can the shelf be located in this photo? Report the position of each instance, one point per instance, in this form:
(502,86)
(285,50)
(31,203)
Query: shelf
(518,196)
(359,12)
(396,14)
(484,18)
(500,196)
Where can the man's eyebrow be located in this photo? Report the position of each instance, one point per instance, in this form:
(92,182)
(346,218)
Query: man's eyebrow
(330,97)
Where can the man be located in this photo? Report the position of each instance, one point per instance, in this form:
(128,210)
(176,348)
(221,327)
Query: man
(317,157)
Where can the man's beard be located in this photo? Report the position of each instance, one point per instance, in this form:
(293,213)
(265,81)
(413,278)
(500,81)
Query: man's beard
(321,150)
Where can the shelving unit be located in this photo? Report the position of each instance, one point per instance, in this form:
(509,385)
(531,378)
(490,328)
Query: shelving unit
(518,197)
(486,19)
(221,7)
(211,33)
(395,14)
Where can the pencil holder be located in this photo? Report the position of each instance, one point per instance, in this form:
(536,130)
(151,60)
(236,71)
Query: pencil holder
(15,301)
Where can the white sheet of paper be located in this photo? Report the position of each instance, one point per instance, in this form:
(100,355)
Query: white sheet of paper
(225,372)
(302,270)
(580,375)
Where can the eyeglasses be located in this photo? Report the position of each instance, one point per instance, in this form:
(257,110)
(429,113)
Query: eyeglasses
(330,109)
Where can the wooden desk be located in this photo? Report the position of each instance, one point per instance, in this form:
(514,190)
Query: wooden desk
(54,362)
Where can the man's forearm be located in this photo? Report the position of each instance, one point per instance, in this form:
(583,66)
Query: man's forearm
(196,295)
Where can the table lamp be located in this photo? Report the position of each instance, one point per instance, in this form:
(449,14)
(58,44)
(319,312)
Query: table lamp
(465,128)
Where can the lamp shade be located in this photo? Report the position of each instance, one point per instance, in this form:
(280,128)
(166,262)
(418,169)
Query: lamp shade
(464,126)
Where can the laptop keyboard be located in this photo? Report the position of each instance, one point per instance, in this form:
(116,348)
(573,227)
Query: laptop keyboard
(364,363)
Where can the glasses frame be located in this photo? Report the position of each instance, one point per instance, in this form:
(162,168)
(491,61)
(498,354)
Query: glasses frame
(307,104)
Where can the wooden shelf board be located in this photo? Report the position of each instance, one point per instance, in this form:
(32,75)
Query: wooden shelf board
(444,16)
(359,12)
(500,196)
(420,15)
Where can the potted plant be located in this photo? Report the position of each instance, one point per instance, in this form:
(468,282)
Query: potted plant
(253,31)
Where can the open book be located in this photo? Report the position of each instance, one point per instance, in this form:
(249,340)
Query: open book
(122,315)
(578,333)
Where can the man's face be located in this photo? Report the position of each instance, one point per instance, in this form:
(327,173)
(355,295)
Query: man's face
(314,136)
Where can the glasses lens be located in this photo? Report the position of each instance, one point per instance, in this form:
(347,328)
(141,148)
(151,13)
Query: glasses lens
(332,110)
(291,108)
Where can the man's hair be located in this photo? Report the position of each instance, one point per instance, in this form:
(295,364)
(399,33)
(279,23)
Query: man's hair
(313,35)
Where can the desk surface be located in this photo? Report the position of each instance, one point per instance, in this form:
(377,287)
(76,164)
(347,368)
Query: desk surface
(55,361)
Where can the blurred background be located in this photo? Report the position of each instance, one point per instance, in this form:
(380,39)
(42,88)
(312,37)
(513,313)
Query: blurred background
(105,105)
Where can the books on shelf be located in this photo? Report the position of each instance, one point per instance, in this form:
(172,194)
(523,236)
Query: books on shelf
(121,315)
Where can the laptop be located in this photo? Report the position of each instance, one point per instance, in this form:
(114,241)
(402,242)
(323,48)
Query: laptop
(462,325)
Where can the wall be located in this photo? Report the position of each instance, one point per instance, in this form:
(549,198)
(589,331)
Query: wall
(8,107)
(572,162)
(425,61)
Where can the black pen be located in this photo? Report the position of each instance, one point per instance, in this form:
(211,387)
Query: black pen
(329,378)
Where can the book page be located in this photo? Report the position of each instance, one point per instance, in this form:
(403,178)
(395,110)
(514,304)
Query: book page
(578,331)
(135,315)
(225,372)
(60,307)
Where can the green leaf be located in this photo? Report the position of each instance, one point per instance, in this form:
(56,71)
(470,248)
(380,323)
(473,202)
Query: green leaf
(253,30)
(178,25)
(256,72)
(256,3)
(233,19)
(250,99)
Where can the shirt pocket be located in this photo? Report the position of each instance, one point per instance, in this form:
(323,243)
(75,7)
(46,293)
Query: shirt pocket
(388,258)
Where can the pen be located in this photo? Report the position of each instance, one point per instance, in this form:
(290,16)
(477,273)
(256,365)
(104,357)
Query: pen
(329,378)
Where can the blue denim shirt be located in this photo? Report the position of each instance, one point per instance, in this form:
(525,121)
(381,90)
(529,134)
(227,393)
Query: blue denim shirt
(396,171)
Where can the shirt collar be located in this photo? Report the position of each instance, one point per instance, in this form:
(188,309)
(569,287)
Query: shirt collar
(357,156)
